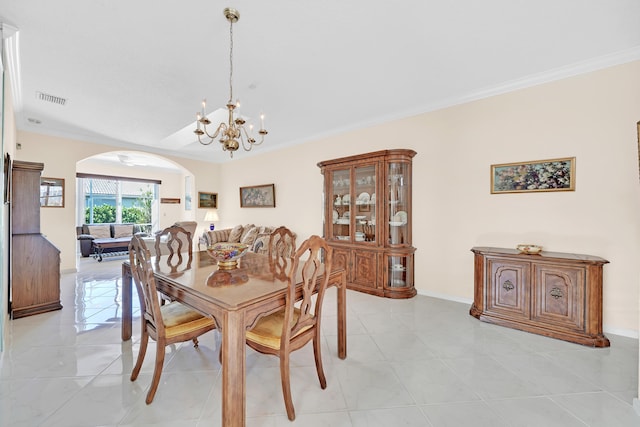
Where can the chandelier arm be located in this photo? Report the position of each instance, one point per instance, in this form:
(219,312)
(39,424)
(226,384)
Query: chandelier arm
(211,137)
(203,142)
(248,137)
(261,140)
(221,127)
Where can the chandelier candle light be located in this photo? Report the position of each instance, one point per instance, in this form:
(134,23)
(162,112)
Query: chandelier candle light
(235,129)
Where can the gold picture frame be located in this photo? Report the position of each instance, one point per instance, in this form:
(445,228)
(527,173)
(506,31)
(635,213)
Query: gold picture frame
(207,200)
(51,192)
(258,196)
(534,176)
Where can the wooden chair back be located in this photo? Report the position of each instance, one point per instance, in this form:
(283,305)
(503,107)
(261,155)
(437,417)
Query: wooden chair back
(178,240)
(311,261)
(282,248)
(142,272)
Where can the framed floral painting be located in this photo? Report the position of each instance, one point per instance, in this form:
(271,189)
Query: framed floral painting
(539,175)
(258,196)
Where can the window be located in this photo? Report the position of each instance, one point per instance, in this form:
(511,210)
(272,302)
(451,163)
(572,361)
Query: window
(104,199)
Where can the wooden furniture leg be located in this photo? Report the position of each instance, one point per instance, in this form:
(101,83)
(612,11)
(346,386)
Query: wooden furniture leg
(342,316)
(126,303)
(233,369)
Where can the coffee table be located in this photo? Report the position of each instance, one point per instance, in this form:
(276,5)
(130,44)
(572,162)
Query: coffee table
(99,245)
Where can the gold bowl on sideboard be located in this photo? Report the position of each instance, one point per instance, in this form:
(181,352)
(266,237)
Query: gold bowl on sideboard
(529,249)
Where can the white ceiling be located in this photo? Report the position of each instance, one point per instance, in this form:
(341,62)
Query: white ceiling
(134,72)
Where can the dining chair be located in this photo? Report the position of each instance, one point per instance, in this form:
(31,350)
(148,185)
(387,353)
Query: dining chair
(166,324)
(282,247)
(292,327)
(177,240)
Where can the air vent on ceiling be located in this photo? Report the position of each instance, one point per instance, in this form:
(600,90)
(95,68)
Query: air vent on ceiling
(50,98)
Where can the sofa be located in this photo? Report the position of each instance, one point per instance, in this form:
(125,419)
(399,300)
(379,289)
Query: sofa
(120,234)
(256,236)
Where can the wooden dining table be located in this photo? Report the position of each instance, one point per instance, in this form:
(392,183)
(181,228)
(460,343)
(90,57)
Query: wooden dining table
(236,299)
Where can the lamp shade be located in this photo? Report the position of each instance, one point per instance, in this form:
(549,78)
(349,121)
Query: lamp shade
(211,215)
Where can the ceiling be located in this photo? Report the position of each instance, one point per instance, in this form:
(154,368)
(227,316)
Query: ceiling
(134,72)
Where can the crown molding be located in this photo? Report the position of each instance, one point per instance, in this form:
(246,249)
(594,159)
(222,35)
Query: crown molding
(571,70)
(11,54)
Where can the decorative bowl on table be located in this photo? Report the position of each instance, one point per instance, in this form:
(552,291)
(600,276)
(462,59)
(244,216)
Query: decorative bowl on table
(529,249)
(227,254)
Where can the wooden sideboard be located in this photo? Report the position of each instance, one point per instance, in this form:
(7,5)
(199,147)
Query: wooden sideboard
(35,261)
(557,295)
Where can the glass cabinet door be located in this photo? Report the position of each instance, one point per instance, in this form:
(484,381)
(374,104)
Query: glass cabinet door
(398,182)
(341,194)
(364,206)
(400,270)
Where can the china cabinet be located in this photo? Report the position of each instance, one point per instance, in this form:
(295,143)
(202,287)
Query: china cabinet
(555,294)
(35,261)
(367,220)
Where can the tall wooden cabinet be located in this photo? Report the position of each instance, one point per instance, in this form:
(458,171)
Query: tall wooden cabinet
(35,261)
(367,220)
(555,294)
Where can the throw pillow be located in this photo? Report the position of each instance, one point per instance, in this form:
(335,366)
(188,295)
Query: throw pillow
(100,231)
(266,230)
(236,233)
(261,244)
(216,236)
(249,237)
(245,230)
(122,231)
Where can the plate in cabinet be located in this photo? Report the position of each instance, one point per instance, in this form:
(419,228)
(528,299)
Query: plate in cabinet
(400,216)
(364,198)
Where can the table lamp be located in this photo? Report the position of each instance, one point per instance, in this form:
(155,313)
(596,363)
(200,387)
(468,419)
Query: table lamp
(211,216)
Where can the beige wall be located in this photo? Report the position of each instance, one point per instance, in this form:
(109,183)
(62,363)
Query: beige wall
(591,117)
(60,157)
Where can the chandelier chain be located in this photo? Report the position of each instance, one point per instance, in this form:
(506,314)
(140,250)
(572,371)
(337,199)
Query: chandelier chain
(231,61)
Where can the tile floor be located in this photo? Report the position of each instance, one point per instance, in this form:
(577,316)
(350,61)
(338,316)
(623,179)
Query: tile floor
(417,362)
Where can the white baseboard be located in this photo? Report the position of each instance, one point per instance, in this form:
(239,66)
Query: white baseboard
(636,405)
(629,333)
(446,297)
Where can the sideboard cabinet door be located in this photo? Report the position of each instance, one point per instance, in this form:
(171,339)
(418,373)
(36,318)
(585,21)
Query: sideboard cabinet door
(508,291)
(559,295)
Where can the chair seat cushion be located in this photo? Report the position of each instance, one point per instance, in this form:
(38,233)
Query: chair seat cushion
(178,319)
(268,330)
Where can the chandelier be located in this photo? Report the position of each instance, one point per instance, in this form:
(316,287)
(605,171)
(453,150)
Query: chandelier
(234,133)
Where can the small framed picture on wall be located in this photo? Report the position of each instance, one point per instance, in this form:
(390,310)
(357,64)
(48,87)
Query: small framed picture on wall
(207,200)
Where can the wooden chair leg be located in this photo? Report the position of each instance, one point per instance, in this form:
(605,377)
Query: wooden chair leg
(286,387)
(318,357)
(157,372)
(144,340)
